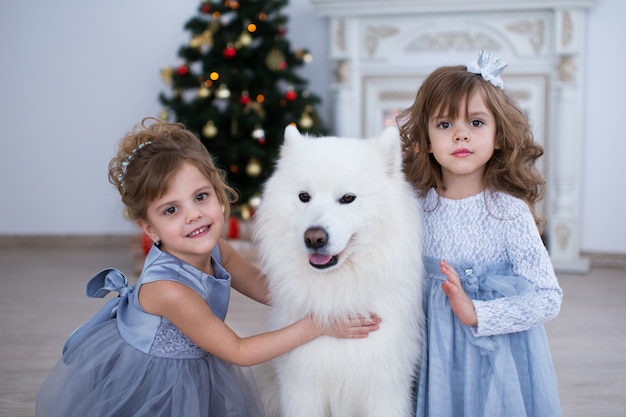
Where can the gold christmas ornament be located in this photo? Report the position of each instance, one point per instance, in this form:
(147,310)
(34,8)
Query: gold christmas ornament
(209,130)
(195,42)
(254,106)
(306,121)
(214,24)
(254,168)
(203,39)
(204,92)
(164,115)
(245,39)
(166,74)
(244,212)
(275,60)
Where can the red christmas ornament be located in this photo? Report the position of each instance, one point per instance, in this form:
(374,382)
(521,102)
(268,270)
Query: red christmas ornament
(291,95)
(244,99)
(146,244)
(182,70)
(206,8)
(229,51)
(283,65)
(233,228)
(282,31)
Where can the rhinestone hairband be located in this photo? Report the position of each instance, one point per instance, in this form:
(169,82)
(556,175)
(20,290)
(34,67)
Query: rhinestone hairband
(129,158)
(490,68)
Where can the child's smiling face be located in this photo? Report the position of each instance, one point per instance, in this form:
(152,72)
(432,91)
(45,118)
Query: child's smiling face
(188,218)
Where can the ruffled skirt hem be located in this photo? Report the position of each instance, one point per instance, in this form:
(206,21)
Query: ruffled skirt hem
(105,376)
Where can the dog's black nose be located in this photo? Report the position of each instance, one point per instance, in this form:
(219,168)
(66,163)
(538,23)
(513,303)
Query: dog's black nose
(315,238)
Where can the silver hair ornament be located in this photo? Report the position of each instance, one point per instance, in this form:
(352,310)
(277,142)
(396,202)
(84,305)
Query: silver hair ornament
(490,68)
(129,158)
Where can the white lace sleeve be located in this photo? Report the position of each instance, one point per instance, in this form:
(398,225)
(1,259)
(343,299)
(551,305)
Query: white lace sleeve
(530,259)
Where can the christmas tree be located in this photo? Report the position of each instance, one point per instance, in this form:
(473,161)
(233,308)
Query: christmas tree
(237,88)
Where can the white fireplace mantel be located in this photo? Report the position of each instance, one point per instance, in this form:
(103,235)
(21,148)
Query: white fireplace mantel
(381,51)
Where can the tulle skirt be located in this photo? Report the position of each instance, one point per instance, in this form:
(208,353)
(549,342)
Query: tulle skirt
(105,376)
(463,375)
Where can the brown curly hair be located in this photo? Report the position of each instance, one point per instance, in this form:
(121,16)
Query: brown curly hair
(142,171)
(512,168)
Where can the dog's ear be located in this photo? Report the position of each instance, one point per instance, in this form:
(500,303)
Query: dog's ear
(292,135)
(391,147)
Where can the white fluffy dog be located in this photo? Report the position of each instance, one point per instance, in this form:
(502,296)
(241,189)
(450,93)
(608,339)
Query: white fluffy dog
(339,233)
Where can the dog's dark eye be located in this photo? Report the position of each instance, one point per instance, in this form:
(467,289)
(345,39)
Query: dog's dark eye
(304,197)
(347,199)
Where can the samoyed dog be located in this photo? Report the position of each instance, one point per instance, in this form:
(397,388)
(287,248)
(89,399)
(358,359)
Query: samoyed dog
(339,233)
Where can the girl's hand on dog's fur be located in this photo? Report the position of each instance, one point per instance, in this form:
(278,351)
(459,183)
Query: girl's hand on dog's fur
(459,301)
(353,327)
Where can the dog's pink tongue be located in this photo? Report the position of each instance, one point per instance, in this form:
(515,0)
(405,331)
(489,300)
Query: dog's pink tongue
(317,259)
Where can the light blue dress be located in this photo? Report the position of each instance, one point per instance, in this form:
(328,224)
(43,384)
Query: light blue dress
(126,362)
(502,366)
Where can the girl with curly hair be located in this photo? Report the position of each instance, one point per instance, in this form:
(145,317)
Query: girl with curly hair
(162,347)
(469,151)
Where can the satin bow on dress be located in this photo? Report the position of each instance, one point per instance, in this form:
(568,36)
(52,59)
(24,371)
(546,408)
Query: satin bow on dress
(100,285)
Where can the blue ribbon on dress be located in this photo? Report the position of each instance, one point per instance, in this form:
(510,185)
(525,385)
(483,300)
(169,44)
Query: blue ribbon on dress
(101,284)
(493,280)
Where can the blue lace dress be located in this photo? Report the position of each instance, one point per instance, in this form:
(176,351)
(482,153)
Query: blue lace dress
(126,362)
(502,366)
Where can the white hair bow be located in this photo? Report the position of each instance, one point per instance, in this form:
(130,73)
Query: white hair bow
(490,68)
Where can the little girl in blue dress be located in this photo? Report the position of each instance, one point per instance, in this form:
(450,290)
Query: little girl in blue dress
(162,348)
(490,284)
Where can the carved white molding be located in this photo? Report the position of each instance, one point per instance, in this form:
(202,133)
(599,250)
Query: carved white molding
(381,50)
(356,8)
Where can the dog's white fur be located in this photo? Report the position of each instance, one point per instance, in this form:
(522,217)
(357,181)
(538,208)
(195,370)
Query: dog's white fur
(377,241)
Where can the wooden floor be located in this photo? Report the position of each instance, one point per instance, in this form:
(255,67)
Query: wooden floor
(42,301)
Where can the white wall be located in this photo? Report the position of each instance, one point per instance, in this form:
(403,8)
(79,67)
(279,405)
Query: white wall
(604,165)
(75,76)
